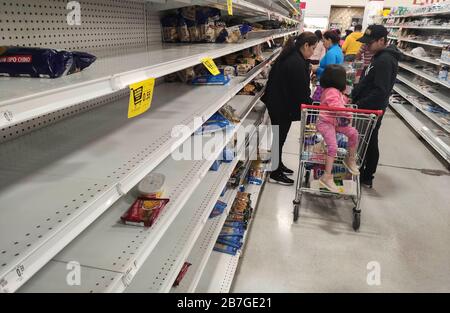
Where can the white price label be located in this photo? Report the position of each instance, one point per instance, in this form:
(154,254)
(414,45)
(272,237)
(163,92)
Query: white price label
(7,115)
(126,279)
(20,270)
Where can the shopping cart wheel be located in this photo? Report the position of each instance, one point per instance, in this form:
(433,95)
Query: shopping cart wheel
(356,219)
(296,211)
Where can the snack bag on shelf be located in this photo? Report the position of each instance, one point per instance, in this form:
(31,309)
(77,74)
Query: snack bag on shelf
(217,122)
(211,80)
(144,211)
(219,207)
(229,113)
(219,247)
(256,173)
(182,273)
(42,63)
(169,28)
(182,30)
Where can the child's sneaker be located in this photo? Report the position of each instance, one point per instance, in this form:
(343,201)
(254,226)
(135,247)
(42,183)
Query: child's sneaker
(327,181)
(351,165)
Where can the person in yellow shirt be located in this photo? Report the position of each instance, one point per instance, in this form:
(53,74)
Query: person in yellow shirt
(351,45)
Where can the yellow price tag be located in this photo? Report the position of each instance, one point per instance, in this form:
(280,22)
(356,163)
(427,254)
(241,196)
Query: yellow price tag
(211,66)
(230,7)
(141,95)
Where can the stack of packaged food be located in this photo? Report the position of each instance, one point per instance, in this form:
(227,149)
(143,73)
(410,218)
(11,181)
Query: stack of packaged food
(230,240)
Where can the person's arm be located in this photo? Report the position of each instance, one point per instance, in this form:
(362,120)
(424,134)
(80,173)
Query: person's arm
(327,59)
(380,87)
(298,84)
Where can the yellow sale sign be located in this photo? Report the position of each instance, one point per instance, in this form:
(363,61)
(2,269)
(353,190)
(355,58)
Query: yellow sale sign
(211,66)
(141,95)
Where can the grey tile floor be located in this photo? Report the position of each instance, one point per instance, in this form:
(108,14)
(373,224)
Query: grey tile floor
(405,227)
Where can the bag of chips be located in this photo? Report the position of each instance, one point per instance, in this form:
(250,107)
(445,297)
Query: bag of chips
(44,63)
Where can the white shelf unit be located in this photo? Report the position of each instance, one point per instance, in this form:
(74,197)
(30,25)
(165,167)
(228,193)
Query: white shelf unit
(432,127)
(203,248)
(439,97)
(221,268)
(125,249)
(428,60)
(445,12)
(27,98)
(90,173)
(426,27)
(79,174)
(418,72)
(425,43)
(407,93)
(444,62)
(425,128)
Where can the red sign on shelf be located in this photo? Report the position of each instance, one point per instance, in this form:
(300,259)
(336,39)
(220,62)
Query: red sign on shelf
(302,5)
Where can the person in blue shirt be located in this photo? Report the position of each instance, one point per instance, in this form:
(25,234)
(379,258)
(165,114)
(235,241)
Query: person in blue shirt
(334,53)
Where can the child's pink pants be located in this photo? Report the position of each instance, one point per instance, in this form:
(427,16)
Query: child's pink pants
(329,131)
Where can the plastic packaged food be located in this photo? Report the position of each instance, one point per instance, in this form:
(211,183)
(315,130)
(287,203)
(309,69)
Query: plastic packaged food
(144,211)
(187,75)
(229,113)
(219,247)
(215,123)
(44,63)
(227,70)
(152,186)
(256,173)
(219,207)
(182,273)
(211,80)
(169,26)
(215,166)
(232,231)
(182,30)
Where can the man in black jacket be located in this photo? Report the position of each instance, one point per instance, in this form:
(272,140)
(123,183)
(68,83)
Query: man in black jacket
(375,88)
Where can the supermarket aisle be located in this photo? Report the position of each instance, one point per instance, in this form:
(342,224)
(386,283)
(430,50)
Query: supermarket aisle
(405,227)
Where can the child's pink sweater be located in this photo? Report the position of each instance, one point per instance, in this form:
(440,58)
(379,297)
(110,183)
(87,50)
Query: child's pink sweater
(331,97)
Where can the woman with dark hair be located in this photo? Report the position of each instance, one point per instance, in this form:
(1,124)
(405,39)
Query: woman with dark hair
(320,50)
(334,53)
(287,88)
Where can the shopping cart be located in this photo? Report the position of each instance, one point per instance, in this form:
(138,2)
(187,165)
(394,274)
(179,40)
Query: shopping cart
(313,154)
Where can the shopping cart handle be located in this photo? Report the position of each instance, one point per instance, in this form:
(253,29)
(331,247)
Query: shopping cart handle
(349,110)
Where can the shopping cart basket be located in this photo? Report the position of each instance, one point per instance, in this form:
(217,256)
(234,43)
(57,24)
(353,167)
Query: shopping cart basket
(313,153)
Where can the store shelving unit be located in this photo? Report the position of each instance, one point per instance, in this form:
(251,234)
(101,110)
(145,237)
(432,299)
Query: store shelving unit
(30,98)
(415,82)
(425,128)
(221,268)
(409,94)
(189,183)
(68,145)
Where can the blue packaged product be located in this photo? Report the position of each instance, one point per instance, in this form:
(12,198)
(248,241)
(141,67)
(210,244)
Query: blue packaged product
(224,191)
(234,225)
(219,79)
(215,166)
(235,244)
(232,231)
(225,249)
(218,209)
(228,155)
(38,62)
(215,123)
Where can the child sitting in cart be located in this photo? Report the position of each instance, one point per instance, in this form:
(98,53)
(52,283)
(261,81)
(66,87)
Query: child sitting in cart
(333,81)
